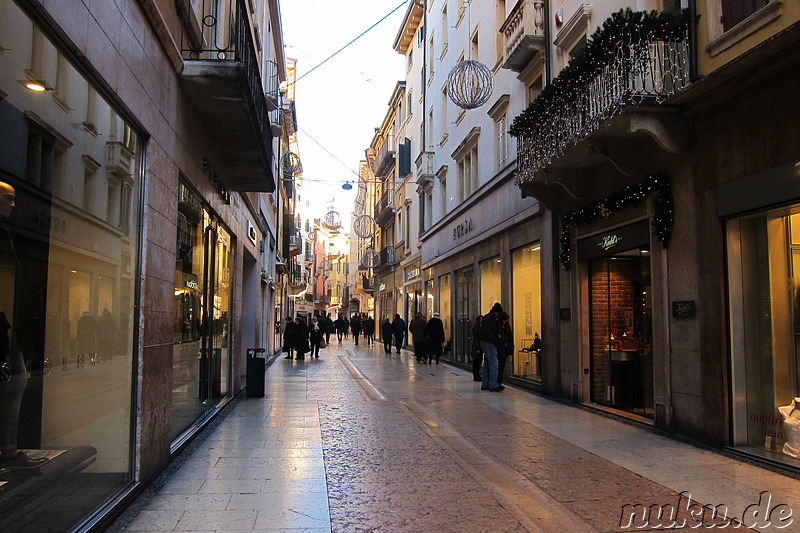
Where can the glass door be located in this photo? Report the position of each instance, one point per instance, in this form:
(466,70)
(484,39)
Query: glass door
(464,282)
(201,311)
(621,332)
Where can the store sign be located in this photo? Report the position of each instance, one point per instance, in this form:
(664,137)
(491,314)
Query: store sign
(684,309)
(619,240)
(382,287)
(412,273)
(191,284)
(463,228)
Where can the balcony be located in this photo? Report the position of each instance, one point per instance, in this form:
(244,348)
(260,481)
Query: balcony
(221,77)
(605,122)
(384,211)
(385,156)
(368,284)
(322,299)
(295,243)
(523,34)
(387,256)
(425,171)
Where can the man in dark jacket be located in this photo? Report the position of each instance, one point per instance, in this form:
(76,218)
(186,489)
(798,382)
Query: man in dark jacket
(355,326)
(387,331)
(491,333)
(341,327)
(327,327)
(417,330)
(368,324)
(399,331)
(434,331)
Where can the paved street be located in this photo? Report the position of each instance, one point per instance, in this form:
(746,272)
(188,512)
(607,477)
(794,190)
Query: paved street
(362,441)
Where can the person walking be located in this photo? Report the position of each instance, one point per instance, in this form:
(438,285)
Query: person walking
(346,327)
(340,327)
(506,350)
(387,332)
(327,327)
(355,327)
(491,341)
(417,330)
(316,335)
(301,341)
(477,353)
(369,330)
(398,331)
(434,331)
(288,337)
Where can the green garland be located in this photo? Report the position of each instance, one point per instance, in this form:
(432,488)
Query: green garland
(663,211)
(623,28)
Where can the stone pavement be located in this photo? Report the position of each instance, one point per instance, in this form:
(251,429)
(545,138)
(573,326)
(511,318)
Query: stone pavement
(360,441)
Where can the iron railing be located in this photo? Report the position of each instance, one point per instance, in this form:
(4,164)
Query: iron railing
(225,35)
(640,71)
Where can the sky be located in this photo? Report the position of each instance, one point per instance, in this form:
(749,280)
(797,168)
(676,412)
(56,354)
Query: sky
(341,102)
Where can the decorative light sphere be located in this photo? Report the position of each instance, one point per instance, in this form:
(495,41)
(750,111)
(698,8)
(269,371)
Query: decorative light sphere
(332,219)
(290,163)
(364,226)
(470,84)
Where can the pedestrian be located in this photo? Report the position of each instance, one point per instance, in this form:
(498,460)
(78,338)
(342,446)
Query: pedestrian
(369,330)
(315,337)
(398,331)
(355,327)
(477,353)
(506,349)
(434,331)
(340,327)
(387,331)
(327,327)
(346,327)
(301,340)
(491,340)
(288,337)
(418,338)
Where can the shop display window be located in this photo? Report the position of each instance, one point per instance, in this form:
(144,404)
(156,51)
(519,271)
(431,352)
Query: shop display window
(70,203)
(764,288)
(526,281)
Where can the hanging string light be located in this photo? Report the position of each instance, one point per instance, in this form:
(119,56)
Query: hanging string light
(633,57)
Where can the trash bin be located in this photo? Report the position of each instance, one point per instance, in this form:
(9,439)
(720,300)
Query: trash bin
(256,366)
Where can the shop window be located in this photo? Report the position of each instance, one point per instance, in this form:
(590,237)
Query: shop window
(764,287)
(526,304)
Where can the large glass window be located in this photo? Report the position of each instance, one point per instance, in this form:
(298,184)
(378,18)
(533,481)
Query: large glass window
(526,282)
(491,277)
(69,197)
(764,286)
(464,281)
(445,308)
(201,363)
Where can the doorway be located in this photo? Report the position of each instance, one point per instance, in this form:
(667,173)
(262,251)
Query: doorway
(620,302)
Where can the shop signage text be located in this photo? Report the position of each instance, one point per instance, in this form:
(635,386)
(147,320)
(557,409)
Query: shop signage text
(463,228)
(609,241)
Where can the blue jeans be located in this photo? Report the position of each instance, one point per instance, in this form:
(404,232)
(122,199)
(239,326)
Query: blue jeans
(489,378)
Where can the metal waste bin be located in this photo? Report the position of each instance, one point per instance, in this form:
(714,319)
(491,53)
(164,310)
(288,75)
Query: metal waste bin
(256,366)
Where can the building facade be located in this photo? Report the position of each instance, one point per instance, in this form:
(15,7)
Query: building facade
(140,231)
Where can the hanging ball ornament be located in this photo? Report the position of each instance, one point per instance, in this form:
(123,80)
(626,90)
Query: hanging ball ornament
(290,162)
(470,84)
(332,219)
(364,226)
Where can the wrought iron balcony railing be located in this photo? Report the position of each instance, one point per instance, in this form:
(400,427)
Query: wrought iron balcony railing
(383,209)
(385,155)
(222,76)
(628,69)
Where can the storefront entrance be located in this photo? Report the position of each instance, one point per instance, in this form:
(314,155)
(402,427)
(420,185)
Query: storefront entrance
(621,354)
(201,364)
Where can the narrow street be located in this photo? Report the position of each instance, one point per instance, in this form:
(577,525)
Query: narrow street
(359,440)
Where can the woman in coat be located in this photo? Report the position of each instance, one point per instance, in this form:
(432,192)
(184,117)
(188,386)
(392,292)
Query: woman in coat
(301,341)
(288,337)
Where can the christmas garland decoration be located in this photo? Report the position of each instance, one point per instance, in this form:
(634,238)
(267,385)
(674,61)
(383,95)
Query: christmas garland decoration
(663,211)
(625,28)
